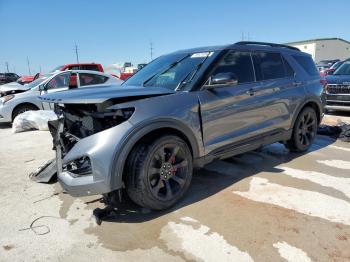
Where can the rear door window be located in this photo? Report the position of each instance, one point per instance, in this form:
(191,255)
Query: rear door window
(91,79)
(239,63)
(307,64)
(268,66)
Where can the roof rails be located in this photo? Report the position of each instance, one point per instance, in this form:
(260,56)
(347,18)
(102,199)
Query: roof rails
(266,44)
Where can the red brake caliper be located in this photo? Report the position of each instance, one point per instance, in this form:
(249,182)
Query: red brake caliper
(173,162)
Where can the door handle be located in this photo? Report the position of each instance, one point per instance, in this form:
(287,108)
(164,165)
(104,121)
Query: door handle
(250,92)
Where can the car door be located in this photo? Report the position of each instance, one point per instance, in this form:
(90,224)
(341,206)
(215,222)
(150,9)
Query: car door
(275,91)
(236,113)
(60,82)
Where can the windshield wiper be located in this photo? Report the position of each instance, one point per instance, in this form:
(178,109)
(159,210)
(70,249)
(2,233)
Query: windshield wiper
(192,74)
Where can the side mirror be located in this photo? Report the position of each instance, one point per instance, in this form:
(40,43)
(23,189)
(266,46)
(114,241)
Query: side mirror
(73,82)
(222,80)
(42,87)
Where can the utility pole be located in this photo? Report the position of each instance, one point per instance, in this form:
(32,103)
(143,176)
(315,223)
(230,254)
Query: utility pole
(76,52)
(242,36)
(40,69)
(7,67)
(30,73)
(151,48)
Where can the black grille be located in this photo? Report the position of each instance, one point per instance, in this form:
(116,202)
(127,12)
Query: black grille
(338,89)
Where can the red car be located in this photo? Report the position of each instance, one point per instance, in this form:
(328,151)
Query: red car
(87,66)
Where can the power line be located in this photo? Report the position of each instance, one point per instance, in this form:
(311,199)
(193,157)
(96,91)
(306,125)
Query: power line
(76,52)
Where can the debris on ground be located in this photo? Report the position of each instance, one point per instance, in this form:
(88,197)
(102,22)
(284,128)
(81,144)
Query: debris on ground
(33,120)
(340,131)
(45,173)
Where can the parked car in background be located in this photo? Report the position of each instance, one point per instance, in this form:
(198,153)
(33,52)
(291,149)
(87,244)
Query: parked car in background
(8,78)
(324,65)
(330,70)
(184,110)
(14,104)
(337,88)
(16,87)
(81,66)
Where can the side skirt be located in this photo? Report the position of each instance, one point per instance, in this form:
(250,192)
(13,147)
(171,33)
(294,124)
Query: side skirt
(243,147)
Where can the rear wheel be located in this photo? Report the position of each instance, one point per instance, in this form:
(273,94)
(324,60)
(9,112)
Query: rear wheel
(23,108)
(159,173)
(304,131)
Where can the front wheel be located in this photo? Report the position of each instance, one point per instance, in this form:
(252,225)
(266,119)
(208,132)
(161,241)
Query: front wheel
(304,131)
(158,173)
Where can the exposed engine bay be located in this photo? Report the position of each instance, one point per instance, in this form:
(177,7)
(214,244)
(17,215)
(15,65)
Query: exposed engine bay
(87,119)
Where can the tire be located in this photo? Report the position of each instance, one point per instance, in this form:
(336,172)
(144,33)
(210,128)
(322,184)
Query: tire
(304,131)
(23,108)
(158,173)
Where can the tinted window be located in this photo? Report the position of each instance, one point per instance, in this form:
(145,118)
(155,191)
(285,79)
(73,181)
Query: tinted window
(288,69)
(73,68)
(89,67)
(61,80)
(239,63)
(307,64)
(91,79)
(268,66)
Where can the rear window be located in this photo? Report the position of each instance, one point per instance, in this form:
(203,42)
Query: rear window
(89,67)
(268,66)
(307,64)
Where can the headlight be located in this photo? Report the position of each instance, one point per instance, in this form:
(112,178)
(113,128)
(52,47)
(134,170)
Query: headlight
(7,98)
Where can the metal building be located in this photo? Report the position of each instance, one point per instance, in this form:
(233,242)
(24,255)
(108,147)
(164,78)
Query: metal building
(324,48)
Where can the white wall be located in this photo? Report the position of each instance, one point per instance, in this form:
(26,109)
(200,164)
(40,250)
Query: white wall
(332,49)
(325,49)
(307,48)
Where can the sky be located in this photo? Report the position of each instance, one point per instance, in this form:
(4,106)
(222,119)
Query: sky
(109,32)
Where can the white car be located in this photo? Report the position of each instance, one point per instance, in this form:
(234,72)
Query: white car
(15,104)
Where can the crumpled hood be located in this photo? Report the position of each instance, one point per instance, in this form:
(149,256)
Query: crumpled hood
(338,79)
(13,86)
(95,95)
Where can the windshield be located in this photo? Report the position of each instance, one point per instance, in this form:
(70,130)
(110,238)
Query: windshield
(169,71)
(56,68)
(344,69)
(336,65)
(38,81)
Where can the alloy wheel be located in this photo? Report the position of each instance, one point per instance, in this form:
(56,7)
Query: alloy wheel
(168,171)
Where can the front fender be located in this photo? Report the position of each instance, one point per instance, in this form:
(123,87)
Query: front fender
(141,130)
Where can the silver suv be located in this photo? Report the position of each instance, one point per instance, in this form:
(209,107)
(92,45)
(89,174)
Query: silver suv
(181,111)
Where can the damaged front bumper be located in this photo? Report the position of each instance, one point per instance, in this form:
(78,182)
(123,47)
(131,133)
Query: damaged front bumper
(86,167)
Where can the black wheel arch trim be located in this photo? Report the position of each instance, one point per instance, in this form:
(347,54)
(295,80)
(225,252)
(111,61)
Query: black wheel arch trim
(302,105)
(138,132)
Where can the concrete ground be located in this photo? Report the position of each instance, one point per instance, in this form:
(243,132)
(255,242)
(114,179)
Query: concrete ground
(266,205)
